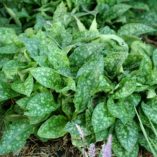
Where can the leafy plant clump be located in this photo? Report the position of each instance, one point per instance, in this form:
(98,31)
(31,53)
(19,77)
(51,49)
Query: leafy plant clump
(80,63)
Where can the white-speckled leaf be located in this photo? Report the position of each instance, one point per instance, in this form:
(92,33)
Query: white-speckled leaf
(53,128)
(6,92)
(124,108)
(9,49)
(47,77)
(11,68)
(89,79)
(150,109)
(25,87)
(119,151)
(59,60)
(22,103)
(126,87)
(135,29)
(15,136)
(39,107)
(101,118)
(127,134)
(119,9)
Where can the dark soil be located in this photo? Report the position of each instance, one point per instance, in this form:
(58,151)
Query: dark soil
(54,148)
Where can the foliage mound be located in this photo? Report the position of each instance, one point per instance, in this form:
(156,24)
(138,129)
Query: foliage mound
(87,63)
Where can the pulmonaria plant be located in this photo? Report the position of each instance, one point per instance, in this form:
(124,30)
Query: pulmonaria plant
(87,66)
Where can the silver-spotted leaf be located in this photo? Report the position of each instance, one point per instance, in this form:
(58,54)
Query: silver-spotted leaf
(8,36)
(25,87)
(22,103)
(150,109)
(40,106)
(135,29)
(47,77)
(88,81)
(126,87)
(101,118)
(53,128)
(59,60)
(127,134)
(123,108)
(15,136)
(6,92)
(11,68)
(119,151)
(119,9)
(9,49)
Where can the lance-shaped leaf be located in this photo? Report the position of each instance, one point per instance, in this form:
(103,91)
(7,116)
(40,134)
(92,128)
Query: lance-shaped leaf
(39,107)
(101,118)
(6,92)
(124,108)
(11,68)
(15,136)
(22,103)
(135,29)
(155,58)
(126,87)
(59,60)
(89,79)
(127,134)
(83,52)
(8,36)
(150,109)
(119,151)
(25,87)
(53,128)
(9,49)
(47,77)
(119,9)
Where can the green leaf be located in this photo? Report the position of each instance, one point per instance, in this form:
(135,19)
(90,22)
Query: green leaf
(101,118)
(59,60)
(83,52)
(69,85)
(68,106)
(150,109)
(25,87)
(61,14)
(80,25)
(125,88)
(89,77)
(15,136)
(9,49)
(39,107)
(8,36)
(127,134)
(119,9)
(119,151)
(47,77)
(136,29)
(124,108)
(93,26)
(155,58)
(22,103)
(11,68)
(6,92)
(53,128)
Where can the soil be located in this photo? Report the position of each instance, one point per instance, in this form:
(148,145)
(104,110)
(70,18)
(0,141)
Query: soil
(54,148)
